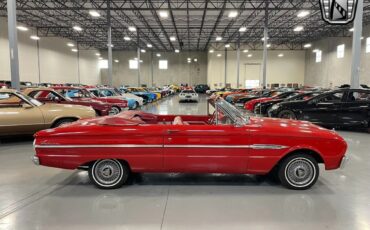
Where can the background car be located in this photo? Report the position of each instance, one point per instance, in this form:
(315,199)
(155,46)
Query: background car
(338,108)
(111,93)
(48,95)
(20,114)
(201,88)
(148,96)
(188,95)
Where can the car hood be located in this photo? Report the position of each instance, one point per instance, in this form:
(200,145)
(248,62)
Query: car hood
(286,127)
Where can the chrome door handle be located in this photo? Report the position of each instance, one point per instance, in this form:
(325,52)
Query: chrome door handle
(172,131)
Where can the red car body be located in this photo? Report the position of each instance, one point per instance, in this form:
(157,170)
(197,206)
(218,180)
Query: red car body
(153,143)
(114,102)
(252,103)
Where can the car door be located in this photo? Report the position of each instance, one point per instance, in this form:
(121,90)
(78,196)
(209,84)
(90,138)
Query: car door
(356,110)
(323,109)
(18,116)
(205,149)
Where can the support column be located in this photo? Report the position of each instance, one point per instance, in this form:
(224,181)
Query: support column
(13,43)
(238,65)
(264,58)
(225,67)
(110,62)
(356,46)
(152,68)
(38,57)
(138,61)
(78,64)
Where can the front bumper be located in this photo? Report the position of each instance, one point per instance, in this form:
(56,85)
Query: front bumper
(344,161)
(35,160)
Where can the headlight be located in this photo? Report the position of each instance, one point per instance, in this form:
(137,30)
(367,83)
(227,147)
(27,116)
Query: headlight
(276,106)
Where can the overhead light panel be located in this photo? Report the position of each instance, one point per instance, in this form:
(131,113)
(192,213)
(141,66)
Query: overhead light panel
(308,45)
(149,45)
(264,38)
(233,14)
(303,13)
(227,45)
(218,38)
(163,14)
(242,29)
(177,51)
(245,51)
(280,55)
(100,58)
(97,54)
(70,44)
(219,55)
(131,28)
(143,51)
(352,29)
(315,50)
(116,60)
(173,38)
(111,45)
(34,37)
(249,55)
(74,50)
(195,60)
(126,38)
(77,28)
(158,54)
(298,28)
(94,13)
(22,28)
(268,45)
(211,51)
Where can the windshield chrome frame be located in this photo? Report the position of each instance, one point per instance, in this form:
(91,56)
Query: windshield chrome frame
(237,117)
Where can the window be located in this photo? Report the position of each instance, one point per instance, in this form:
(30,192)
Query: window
(133,64)
(335,97)
(163,64)
(103,64)
(368,45)
(250,84)
(318,55)
(360,96)
(340,51)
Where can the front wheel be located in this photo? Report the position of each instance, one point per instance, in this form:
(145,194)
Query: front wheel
(109,174)
(114,110)
(298,172)
(287,114)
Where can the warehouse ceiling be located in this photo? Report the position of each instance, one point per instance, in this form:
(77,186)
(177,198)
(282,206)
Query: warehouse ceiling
(182,24)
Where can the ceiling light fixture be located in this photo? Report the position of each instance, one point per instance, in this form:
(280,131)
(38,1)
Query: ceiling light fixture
(219,55)
(126,38)
(227,45)
(242,29)
(352,29)
(195,60)
(143,51)
(158,54)
(131,28)
(177,51)
(268,45)
(298,29)
(218,38)
(34,37)
(97,54)
(245,51)
(74,50)
(303,13)
(249,55)
(149,45)
(70,44)
(211,51)
(116,60)
(233,14)
(308,45)
(22,28)
(280,55)
(94,13)
(263,39)
(172,38)
(77,28)
(163,14)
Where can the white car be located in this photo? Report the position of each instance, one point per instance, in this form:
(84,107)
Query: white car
(188,95)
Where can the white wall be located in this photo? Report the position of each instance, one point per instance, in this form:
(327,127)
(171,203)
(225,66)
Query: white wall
(282,70)
(179,71)
(333,71)
(57,63)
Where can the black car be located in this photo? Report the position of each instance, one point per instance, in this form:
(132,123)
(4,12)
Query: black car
(202,88)
(338,108)
(263,107)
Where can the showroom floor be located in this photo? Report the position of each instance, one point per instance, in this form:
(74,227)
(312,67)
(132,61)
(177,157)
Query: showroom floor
(34,197)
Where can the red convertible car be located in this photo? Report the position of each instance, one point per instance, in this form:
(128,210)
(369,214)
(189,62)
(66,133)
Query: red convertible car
(111,148)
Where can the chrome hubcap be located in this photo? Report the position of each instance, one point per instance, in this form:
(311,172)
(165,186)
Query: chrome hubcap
(107,172)
(114,111)
(300,172)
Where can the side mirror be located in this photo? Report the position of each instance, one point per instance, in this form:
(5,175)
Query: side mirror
(26,106)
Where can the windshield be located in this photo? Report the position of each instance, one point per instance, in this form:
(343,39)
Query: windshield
(77,93)
(30,99)
(108,93)
(226,114)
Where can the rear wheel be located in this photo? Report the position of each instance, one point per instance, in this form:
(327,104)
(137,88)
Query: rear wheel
(63,121)
(298,172)
(287,114)
(109,173)
(136,105)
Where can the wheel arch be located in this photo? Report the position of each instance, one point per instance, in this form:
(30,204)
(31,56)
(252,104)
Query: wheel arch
(87,165)
(62,118)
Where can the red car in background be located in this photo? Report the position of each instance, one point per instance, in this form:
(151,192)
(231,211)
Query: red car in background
(48,95)
(118,105)
(249,105)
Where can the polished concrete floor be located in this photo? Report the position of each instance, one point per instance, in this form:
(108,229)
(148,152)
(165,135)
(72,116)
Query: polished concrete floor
(33,197)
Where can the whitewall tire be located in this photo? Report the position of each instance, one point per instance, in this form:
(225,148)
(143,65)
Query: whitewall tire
(109,173)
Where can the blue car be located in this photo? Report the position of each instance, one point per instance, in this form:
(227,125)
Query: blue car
(148,96)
